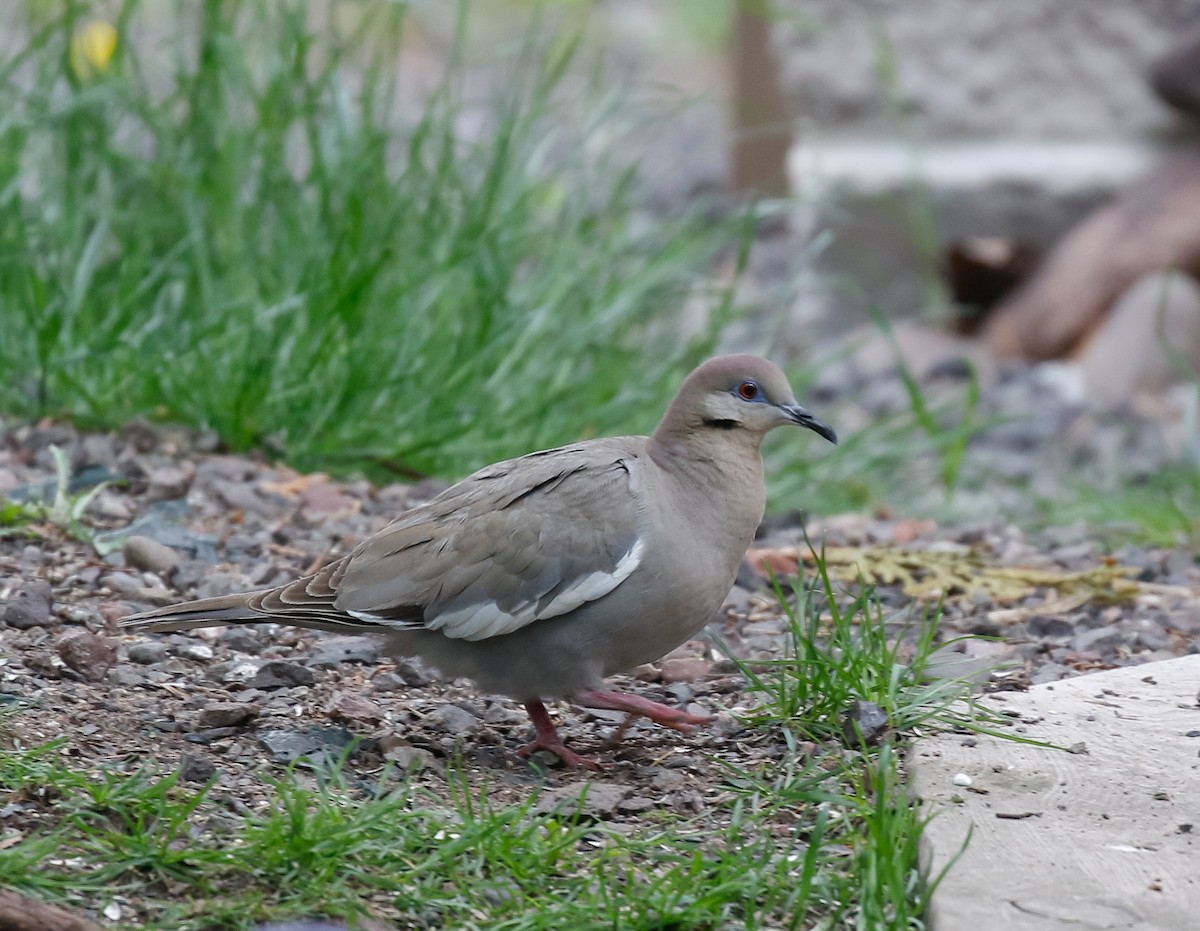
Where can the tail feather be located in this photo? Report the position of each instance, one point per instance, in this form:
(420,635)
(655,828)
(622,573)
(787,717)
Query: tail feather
(242,609)
(207,612)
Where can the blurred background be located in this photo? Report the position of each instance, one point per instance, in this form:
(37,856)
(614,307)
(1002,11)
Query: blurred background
(401,240)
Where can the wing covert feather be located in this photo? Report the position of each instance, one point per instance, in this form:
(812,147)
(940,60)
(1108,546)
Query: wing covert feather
(519,541)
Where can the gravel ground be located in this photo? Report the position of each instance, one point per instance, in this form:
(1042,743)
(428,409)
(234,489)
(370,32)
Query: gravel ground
(187,521)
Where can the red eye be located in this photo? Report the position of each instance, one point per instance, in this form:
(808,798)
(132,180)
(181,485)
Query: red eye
(747,391)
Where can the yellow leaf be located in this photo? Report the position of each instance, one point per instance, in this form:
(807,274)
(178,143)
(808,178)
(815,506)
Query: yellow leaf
(92,49)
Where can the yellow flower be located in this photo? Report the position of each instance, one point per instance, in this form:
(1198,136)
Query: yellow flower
(92,49)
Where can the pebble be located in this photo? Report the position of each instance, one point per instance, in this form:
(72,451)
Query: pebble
(149,555)
(88,654)
(413,673)
(123,582)
(594,800)
(169,481)
(1050,628)
(413,759)
(279,674)
(126,677)
(453,720)
(864,721)
(234,671)
(216,584)
(225,714)
(387,681)
(197,652)
(1100,639)
(347,706)
(242,639)
(196,767)
(683,669)
(287,746)
(43,663)
(147,652)
(29,605)
(333,651)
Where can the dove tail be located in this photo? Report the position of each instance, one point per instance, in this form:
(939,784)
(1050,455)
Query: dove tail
(207,612)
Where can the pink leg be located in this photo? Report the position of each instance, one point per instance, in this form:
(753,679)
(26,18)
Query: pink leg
(547,739)
(641,707)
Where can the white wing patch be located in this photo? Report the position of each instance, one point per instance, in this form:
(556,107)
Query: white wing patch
(486,619)
(389,622)
(593,585)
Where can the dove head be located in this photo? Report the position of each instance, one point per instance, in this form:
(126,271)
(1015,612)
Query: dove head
(739,396)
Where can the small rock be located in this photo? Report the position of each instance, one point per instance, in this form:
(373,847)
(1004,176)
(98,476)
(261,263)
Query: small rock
(683,669)
(589,799)
(666,780)
(225,714)
(1046,627)
(88,654)
(222,583)
(690,801)
(413,673)
(235,671)
(154,595)
(1148,633)
(242,639)
(452,719)
(126,677)
(1049,672)
(962,780)
(279,675)
(43,663)
(412,759)
(336,650)
(387,681)
(287,746)
(29,605)
(239,495)
(196,652)
(147,652)
(111,507)
(150,555)
(170,481)
(864,721)
(500,713)
(319,499)
(346,706)
(1100,639)
(82,614)
(196,767)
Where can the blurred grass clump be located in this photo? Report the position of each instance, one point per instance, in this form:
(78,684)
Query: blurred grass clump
(230,214)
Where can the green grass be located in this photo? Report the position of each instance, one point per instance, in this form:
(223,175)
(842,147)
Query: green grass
(811,835)
(1162,509)
(244,224)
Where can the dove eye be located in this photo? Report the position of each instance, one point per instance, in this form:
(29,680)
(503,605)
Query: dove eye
(748,391)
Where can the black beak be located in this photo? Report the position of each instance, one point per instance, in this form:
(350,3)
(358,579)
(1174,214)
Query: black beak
(799,416)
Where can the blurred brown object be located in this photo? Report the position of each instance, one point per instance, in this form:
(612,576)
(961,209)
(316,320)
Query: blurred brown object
(21,913)
(761,132)
(982,270)
(1149,341)
(1151,226)
(1175,77)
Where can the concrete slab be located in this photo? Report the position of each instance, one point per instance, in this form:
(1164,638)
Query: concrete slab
(1106,837)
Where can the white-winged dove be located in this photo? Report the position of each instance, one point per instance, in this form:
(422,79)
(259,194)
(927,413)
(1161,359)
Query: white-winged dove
(537,577)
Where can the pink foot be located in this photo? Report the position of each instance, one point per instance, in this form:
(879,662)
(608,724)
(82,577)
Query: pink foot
(639,707)
(547,739)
